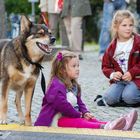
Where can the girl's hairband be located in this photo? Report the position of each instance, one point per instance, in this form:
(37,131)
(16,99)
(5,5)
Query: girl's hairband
(59,56)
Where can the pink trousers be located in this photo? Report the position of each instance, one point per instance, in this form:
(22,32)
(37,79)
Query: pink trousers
(80,123)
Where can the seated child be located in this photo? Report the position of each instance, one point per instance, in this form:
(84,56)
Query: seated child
(121,62)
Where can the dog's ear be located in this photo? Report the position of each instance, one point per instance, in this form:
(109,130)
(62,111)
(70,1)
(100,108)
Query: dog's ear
(25,24)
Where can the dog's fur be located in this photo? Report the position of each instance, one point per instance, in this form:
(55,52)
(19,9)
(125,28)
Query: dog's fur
(19,59)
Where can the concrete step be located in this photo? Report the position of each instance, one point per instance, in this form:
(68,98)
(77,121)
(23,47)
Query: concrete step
(19,132)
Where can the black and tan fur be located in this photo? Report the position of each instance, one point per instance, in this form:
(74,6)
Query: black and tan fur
(19,59)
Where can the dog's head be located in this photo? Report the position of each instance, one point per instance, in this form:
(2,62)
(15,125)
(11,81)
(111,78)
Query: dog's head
(37,38)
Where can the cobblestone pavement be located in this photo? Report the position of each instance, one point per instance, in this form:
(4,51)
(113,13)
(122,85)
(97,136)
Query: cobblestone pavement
(92,81)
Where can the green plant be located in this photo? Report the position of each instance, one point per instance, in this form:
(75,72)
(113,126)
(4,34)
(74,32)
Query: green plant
(19,7)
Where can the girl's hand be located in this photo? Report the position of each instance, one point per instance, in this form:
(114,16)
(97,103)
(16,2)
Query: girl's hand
(127,77)
(88,116)
(117,76)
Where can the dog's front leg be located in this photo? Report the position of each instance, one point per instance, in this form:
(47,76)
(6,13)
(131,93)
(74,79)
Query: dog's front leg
(18,106)
(4,102)
(28,101)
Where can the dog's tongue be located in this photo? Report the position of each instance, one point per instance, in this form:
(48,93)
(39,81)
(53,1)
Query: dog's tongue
(44,47)
(47,49)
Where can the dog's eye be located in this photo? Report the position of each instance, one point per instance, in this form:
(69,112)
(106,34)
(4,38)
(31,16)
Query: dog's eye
(41,32)
(49,33)
(36,35)
(39,35)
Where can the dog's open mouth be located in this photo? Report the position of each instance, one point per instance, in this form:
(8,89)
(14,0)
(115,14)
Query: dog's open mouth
(44,47)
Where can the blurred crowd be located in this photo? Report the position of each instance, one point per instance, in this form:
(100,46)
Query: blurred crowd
(66,20)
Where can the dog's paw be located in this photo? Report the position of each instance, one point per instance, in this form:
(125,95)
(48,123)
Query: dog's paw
(3,122)
(22,122)
(28,123)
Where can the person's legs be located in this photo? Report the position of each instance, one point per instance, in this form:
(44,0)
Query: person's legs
(117,124)
(63,33)
(131,94)
(104,38)
(53,23)
(98,121)
(67,23)
(76,33)
(78,123)
(54,20)
(113,95)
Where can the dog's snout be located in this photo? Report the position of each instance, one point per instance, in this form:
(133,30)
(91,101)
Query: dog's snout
(52,40)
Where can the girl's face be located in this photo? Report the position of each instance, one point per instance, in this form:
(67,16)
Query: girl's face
(125,29)
(72,68)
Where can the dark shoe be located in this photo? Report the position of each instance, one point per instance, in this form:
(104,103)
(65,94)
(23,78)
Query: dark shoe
(99,100)
(80,57)
(101,103)
(97,97)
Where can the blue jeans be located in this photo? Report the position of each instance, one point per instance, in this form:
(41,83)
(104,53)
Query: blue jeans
(127,92)
(108,10)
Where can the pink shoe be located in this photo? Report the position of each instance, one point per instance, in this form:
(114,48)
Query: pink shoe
(130,118)
(117,124)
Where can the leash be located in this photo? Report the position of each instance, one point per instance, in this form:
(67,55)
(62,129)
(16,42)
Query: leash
(43,83)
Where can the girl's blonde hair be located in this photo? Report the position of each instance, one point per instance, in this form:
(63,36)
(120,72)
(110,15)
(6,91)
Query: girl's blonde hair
(119,16)
(58,69)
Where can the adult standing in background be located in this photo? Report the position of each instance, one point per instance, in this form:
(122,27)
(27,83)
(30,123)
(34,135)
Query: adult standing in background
(72,13)
(109,7)
(51,8)
(138,7)
(2,20)
(138,16)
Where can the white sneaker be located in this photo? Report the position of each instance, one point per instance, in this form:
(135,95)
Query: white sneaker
(117,124)
(131,119)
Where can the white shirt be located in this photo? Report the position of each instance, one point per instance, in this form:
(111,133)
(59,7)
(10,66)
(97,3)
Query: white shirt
(72,99)
(122,53)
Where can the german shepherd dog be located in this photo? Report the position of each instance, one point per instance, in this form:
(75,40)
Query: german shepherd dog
(19,61)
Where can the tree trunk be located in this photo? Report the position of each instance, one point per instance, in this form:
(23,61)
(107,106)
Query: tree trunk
(2,20)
